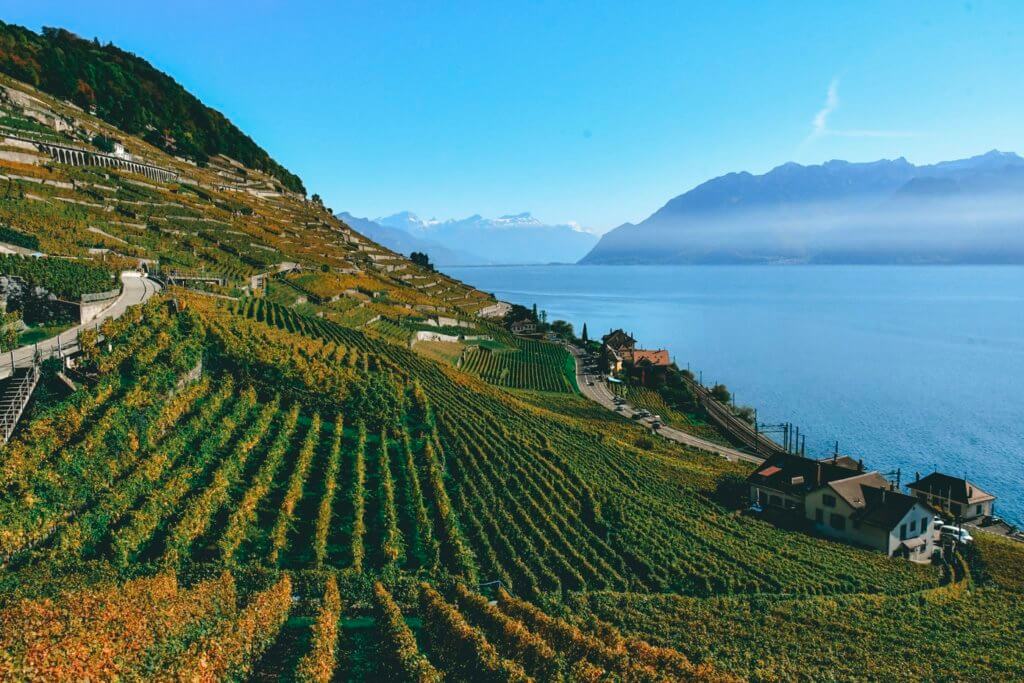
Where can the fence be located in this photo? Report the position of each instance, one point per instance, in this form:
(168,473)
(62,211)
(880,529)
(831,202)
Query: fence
(101,296)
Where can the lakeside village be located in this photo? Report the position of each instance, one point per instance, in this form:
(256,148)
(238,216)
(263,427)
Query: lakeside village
(836,497)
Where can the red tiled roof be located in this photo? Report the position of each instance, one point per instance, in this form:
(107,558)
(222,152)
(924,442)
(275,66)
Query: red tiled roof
(654,357)
(769,471)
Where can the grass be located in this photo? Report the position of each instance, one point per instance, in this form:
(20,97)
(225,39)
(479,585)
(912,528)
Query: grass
(41,333)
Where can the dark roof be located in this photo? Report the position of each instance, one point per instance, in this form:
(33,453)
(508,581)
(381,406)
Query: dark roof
(618,339)
(783,472)
(843,461)
(956,489)
(884,508)
(852,489)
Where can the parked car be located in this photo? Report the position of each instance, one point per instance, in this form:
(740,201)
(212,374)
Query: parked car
(957,534)
(938,522)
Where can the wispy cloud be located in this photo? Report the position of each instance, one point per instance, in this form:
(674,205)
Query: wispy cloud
(820,127)
(820,124)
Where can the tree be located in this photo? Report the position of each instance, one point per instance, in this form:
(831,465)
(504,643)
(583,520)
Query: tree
(421,259)
(535,312)
(9,331)
(562,328)
(583,337)
(720,393)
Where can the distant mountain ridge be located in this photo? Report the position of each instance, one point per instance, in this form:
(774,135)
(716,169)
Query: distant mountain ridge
(400,241)
(517,238)
(888,211)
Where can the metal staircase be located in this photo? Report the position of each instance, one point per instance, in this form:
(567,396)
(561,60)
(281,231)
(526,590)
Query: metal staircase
(15,397)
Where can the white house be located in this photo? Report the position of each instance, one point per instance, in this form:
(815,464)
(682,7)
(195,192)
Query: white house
(866,510)
(956,497)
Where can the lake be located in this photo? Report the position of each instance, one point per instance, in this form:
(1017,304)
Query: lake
(914,368)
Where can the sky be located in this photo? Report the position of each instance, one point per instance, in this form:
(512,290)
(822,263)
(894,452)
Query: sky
(594,113)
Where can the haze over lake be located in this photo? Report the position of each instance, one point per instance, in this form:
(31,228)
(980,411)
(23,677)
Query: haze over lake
(909,367)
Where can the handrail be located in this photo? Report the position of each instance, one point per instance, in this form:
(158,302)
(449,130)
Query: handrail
(13,411)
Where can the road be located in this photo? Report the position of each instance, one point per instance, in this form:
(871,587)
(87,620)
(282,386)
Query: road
(136,289)
(596,389)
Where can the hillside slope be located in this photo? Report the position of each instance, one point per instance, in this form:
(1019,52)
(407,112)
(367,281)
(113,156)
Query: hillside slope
(259,477)
(126,91)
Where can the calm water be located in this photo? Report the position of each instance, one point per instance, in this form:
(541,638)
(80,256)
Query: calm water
(909,367)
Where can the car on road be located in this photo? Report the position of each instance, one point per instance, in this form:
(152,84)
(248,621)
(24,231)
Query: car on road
(956,533)
(590,383)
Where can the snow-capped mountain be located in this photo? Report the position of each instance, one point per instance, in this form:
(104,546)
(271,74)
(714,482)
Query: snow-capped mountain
(516,238)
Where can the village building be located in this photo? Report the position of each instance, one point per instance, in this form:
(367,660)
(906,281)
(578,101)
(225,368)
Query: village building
(615,347)
(658,358)
(954,496)
(845,503)
(784,480)
(865,510)
(523,327)
(618,340)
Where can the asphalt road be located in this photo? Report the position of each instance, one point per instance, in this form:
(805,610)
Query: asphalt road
(594,387)
(135,290)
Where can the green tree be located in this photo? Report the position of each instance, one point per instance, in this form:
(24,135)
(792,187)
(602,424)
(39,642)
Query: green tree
(9,330)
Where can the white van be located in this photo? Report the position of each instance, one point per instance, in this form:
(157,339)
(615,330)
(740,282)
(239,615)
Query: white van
(957,534)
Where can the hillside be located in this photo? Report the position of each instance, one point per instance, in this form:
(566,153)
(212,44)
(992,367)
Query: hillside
(262,474)
(126,91)
(965,211)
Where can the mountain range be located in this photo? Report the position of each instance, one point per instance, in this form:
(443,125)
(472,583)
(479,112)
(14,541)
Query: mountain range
(518,238)
(888,211)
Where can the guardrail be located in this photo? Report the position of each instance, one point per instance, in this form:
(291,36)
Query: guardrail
(101,296)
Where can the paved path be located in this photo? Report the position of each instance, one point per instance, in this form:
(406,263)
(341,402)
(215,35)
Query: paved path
(599,392)
(136,290)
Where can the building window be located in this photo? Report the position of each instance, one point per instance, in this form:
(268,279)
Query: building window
(829,501)
(924,525)
(819,515)
(903,532)
(837,521)
(913,525)
(979,509)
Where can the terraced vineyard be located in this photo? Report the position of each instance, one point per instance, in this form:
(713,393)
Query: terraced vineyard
(529,365)
(252,488)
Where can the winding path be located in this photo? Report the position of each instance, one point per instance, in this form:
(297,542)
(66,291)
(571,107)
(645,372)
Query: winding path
(596,389)
(136,289)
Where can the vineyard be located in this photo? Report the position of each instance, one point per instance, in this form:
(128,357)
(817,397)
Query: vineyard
(530,364)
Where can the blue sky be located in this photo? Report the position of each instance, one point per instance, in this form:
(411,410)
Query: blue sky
(596,113)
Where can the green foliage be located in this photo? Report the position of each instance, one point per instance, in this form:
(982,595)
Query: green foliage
(18,239)
(62,277)
(129,93)
(9,330)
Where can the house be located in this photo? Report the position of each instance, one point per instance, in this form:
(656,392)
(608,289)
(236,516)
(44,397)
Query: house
(866,510)
(618,340)
(784,480)
(956,497)
(615,346)
(523,327)
(658,358)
